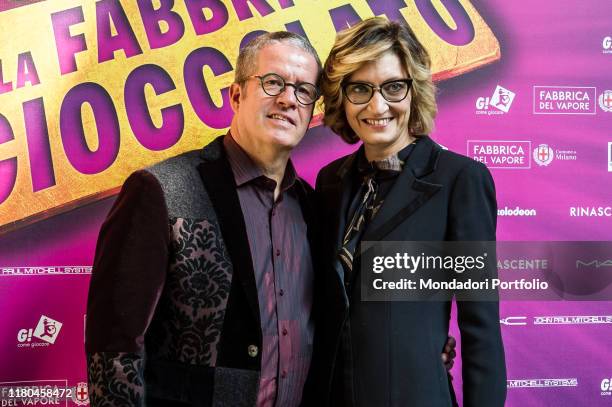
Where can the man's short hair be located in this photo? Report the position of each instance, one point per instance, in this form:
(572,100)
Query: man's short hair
(246,64)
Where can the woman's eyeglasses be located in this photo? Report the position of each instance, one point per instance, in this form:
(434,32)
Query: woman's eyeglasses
(393,91)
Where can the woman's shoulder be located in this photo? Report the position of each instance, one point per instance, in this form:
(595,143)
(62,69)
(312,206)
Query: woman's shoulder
(331,171)
(455,162)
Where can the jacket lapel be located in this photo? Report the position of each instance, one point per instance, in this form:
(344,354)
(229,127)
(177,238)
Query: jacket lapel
(408,193)
(341,192)
(219,182)
(339,198)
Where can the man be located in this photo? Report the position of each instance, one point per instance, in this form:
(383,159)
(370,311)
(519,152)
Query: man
(202,285)
(203,279)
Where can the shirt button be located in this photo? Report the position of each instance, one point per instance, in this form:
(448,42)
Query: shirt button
(253,351)
(281,292)
(284,374)
(284,331)
(278,252)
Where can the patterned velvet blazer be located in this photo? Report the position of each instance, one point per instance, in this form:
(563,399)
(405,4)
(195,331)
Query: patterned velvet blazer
(172,314)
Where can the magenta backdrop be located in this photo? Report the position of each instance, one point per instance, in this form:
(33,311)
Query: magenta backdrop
(554,355)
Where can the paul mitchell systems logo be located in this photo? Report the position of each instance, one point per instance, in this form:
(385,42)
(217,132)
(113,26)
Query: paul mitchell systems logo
(606,45)
(46,331)
(501,154)
(564,99)
(605,101)
(526,383)
(572,319)
(500,101)
(44,270)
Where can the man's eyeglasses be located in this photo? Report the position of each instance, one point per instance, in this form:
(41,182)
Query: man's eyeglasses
(360,93)
(273,85)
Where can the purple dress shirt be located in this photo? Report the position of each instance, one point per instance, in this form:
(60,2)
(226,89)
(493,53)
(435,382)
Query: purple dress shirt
(284,276)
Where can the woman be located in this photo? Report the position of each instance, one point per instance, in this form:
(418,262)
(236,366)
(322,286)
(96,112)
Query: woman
(398,186)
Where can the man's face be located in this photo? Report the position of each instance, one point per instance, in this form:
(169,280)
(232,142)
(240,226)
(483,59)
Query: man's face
(274,121)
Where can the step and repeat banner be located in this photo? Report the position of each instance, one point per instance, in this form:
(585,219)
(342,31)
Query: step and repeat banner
(93,90)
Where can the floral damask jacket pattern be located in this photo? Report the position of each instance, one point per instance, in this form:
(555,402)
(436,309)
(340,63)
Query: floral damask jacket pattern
(192,306)
(187,324)
(161,326)
(115,379)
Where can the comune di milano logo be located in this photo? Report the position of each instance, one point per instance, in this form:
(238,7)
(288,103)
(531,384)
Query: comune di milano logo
(46,332)
(543,155)
(605,101)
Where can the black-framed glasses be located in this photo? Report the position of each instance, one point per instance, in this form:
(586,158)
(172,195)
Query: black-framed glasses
(273,85)
(393,91)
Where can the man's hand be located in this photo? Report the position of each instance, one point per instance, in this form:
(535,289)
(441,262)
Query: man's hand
(448,354)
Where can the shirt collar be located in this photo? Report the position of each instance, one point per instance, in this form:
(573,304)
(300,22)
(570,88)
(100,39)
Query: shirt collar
(394,162)
(245,170)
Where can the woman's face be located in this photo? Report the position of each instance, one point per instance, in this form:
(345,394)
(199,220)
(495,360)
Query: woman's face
(380,124)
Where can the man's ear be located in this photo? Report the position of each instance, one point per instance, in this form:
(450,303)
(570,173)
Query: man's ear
(235,93)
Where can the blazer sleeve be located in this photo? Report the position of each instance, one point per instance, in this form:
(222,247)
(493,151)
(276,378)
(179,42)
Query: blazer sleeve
(127,279)
(473,217)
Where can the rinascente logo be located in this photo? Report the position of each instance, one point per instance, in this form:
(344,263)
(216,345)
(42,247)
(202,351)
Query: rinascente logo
(564,99)
(499,102)
(502,154)
(516,211)
(590,211)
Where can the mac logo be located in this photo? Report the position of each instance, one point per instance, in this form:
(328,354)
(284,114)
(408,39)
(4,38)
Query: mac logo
(593,263)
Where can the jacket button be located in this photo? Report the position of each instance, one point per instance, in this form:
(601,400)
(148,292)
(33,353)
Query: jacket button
(253,351)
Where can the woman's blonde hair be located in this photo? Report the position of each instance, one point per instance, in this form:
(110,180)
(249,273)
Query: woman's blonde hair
(365,42)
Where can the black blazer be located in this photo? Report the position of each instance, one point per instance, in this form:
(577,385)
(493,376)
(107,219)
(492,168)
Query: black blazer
(173,313)
(439,196)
